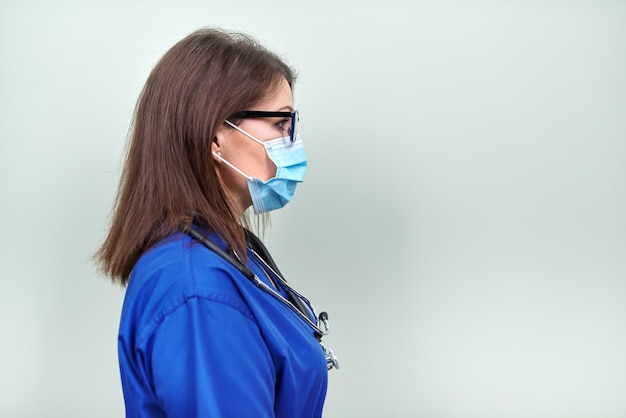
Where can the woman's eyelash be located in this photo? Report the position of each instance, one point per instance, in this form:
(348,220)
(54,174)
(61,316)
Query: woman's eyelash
(282,123)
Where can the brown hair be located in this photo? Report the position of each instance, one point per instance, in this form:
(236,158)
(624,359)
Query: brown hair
(169,174)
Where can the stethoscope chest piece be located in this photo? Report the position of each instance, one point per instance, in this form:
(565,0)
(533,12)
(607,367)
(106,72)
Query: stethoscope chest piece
(331,359)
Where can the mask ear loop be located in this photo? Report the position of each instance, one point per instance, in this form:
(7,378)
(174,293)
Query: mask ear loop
(232,125)
(219,157)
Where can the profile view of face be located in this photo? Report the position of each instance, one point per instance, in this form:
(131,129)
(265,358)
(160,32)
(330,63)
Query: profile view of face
(248,155)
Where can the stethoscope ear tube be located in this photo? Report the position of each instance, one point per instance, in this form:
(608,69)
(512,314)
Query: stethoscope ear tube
(298,307)
(294,297)
(294,302)
(204,240)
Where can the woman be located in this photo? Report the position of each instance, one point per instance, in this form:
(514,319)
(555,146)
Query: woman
(209,327)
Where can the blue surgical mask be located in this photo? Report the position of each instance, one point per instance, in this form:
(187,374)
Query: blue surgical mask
(290,160)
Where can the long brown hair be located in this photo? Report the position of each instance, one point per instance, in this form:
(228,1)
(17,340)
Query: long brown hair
(169,174)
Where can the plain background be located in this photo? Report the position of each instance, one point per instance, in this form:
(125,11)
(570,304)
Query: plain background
(462,221)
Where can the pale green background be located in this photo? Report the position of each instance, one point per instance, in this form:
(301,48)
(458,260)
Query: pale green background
(463,220)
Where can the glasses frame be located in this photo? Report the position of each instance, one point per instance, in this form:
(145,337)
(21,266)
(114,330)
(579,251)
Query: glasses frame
(254,114)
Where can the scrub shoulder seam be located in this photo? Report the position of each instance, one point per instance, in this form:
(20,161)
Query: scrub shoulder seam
(215,297)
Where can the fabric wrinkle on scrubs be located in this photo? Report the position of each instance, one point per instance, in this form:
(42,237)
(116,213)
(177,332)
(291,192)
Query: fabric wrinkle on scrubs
(198,339)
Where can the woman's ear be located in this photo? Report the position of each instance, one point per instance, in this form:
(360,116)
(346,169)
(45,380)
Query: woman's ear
(215,146)
(218,140)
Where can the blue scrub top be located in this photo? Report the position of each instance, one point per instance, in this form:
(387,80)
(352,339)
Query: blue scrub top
(198,339)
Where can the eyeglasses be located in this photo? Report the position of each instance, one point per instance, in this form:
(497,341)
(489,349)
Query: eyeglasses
(291,118)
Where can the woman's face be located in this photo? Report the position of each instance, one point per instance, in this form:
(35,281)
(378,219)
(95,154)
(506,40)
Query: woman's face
(246,154)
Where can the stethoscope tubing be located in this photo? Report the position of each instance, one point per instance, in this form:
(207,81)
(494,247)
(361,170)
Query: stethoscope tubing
(249,274)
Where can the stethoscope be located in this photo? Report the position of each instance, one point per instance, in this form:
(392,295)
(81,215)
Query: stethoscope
(298,303)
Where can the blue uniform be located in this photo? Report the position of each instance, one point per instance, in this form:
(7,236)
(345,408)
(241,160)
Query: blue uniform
(198,339)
